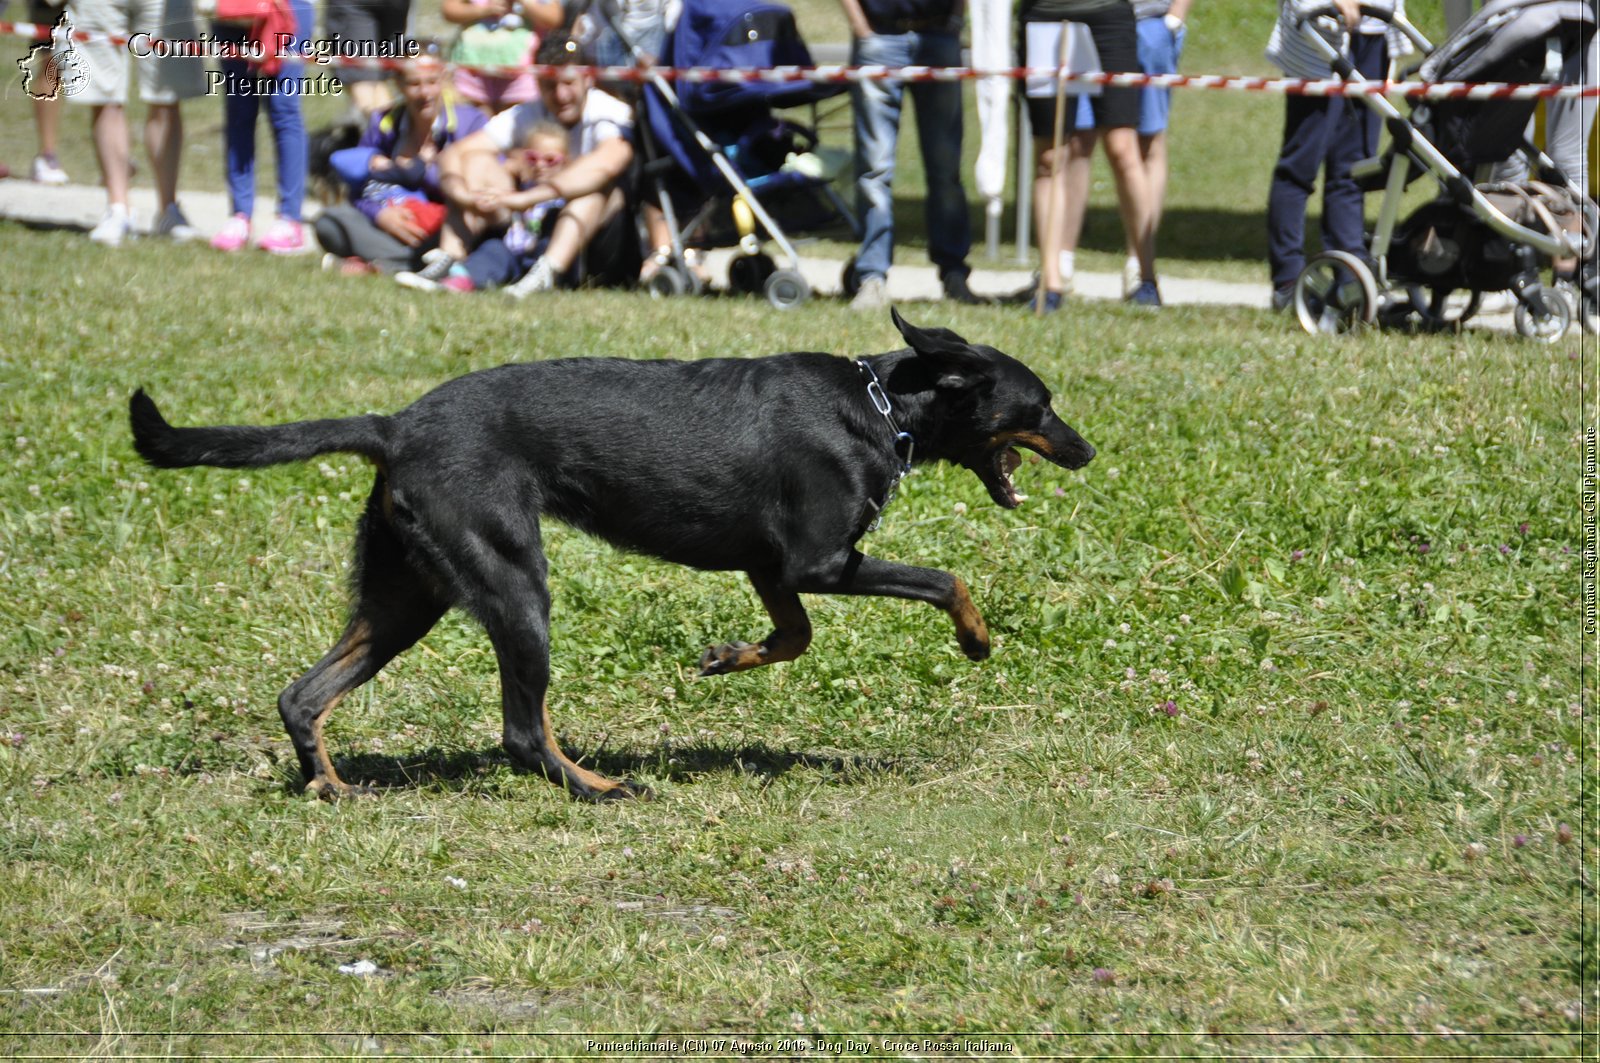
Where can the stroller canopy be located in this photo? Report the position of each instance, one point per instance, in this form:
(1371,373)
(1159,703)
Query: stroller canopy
(738,34)
(1506,40)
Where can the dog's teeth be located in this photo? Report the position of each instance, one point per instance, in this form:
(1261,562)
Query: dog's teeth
(1019,496)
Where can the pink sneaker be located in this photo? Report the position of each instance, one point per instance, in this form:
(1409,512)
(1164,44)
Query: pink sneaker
(234,235)
(286,237)
(458,282)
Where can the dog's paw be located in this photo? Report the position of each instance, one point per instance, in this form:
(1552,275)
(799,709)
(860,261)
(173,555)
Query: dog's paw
(729,657)
(975,645)
(625,790)
(335,790)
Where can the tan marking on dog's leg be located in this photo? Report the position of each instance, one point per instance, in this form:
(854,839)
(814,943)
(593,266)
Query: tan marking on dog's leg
(971,632)
(589,784)
(326,783)
(790,637)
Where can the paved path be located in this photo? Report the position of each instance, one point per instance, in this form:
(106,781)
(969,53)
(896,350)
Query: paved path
(80,207)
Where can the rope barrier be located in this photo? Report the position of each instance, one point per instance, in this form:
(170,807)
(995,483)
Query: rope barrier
(1442,90)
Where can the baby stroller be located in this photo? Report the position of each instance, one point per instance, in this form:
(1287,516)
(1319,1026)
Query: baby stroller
(1472,237)
(721,164)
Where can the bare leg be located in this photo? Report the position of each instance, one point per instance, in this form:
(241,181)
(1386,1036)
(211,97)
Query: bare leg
(47,120)
(1049,207)
(579,220)
(163,140)
(1133,194)
(464,228)
(1080,161)
(110,123)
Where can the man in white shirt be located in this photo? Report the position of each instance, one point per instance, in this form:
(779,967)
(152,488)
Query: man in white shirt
(600,151)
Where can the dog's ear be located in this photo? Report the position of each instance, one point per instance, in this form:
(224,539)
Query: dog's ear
(954,361)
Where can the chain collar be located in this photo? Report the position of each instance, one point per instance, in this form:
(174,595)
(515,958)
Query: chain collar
(904,446)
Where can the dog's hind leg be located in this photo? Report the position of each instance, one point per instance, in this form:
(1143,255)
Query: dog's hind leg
(791,632)
(512,600)
(858,574)
(395,606)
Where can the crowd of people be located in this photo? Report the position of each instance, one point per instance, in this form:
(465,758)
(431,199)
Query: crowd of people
(464,180)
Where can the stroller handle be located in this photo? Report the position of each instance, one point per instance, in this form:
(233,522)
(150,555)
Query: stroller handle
(1303,21)
(1330,11)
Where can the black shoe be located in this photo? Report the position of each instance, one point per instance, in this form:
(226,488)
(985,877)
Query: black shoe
(1282,298)
(955,287)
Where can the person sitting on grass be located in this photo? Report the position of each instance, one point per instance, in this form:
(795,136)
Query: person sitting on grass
(599,152)
(396,209)
(508,255)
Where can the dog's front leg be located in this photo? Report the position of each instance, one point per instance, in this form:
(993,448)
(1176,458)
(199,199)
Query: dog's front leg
(857,574)
(791,632)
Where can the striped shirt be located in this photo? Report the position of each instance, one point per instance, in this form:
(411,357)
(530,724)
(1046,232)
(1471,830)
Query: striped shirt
(1289,51)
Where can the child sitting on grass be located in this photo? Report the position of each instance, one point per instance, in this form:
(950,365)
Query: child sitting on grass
(509,252)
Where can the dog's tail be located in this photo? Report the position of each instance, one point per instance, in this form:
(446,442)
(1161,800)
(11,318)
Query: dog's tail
(246,447)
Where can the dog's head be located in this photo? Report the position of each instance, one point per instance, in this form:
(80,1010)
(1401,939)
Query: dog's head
(990,403)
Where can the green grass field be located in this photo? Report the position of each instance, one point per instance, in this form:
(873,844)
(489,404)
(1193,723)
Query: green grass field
(1280,751)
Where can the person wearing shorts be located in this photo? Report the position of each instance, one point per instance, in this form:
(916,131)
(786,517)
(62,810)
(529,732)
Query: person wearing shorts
(163,82)
(380,22)
(1115,110)
(1161,35)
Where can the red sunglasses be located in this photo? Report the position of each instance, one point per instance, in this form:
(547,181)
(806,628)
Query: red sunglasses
(543,158)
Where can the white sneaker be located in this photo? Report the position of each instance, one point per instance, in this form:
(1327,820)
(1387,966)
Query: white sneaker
(873,294)
(1131,277)
(540,278)
(47,171)
(416,281)
(114,226)
(174,226)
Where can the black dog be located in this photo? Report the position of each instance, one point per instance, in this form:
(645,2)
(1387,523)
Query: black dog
(773,466)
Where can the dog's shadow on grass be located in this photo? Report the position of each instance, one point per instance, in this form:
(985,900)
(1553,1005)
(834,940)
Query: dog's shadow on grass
(434,768)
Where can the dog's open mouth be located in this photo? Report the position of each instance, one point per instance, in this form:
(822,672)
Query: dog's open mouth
(995,471)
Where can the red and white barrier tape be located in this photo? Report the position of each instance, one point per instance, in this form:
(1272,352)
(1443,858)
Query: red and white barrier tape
(1442,90)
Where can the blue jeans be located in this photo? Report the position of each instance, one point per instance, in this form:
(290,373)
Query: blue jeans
(877,106)
(240,109)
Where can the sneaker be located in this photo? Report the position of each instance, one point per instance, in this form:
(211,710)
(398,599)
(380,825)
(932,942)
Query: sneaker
(458,282)
(114,226)
(234,235)
(873,294)
(1282,298)
(1147,294)
(1132,276)
(174,226)
(955,288)
(416,281)
(286,237)
(1052,302)
(47,170)
(540,278)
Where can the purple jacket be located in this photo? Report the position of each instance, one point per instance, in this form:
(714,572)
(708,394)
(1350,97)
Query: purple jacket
(386,131)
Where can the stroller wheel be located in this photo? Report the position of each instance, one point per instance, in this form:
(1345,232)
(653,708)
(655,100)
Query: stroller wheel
(747,274)
(1550,322)
(1335,292)
(786,289)
(668,282)
(1440,309)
